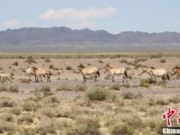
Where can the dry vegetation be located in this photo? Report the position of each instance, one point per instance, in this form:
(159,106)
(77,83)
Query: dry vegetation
(66,106)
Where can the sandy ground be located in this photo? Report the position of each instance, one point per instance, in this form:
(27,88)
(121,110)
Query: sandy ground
(74,101)
(63,76)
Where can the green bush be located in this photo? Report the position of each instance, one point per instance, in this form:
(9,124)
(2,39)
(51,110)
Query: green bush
(162,60)
(14,88)
(128,95)
(15,63)
(146,82)
(30,106)
(30,60)
(47,60)
(115,86)
(69,68)
(97,94)
(88,127)
(121,130)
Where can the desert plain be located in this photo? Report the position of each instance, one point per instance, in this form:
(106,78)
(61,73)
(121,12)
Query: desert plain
(69,106)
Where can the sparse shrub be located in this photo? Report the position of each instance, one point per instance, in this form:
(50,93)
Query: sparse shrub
(11,74)
(50,100)
(51,66)
(115,86)
(163,60)
(7,103)
(161,101)
(30,106)
(146,82)
(21,57)
(175,99)
(48,127)
(160,83)
(137,65)
(128,95)
(30,60)
(88,127)
(7,126)
(28,131)
(97,94)
(47,60)
(15,63)
(23,70)
(101,61)
(25,81)
(156,55)
(49,112)
(141,59)
(16,110)
(64,87)
(152,102)
(69,68)
(7,117)
(125,85)
(123,61)
(26,119)
(46,90)
(80,87)
(13,88)
(3,88)
(121,129)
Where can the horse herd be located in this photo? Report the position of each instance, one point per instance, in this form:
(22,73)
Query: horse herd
(89,72)
(153,72)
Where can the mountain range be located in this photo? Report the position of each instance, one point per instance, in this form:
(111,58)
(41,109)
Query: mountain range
(65,39)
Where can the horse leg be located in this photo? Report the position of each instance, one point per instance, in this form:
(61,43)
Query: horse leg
(35,77)
(48,78)
(164,78)
(125,79)
(155,78)
(41,78)
(9,79)
(29,77)
(84,78)
(95,78)
(1,78)
(112,78)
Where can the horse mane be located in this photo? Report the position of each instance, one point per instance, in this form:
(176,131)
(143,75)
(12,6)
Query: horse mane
(81,66)
(152,67)
(177,67)
(34,68)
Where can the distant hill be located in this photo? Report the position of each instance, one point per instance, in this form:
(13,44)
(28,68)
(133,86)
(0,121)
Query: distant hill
(66,39)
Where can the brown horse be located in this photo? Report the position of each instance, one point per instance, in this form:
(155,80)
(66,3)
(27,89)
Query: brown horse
(176,70)
(155,72)
(88,71)
(4,76)
(116,71)
(43,72)
(38,72)
(31,71)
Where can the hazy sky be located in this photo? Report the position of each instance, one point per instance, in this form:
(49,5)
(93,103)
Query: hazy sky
(111,15)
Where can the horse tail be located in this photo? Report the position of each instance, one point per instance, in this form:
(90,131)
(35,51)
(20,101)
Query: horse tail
(125,73)
(98,73)
(168,77)
(50,72)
